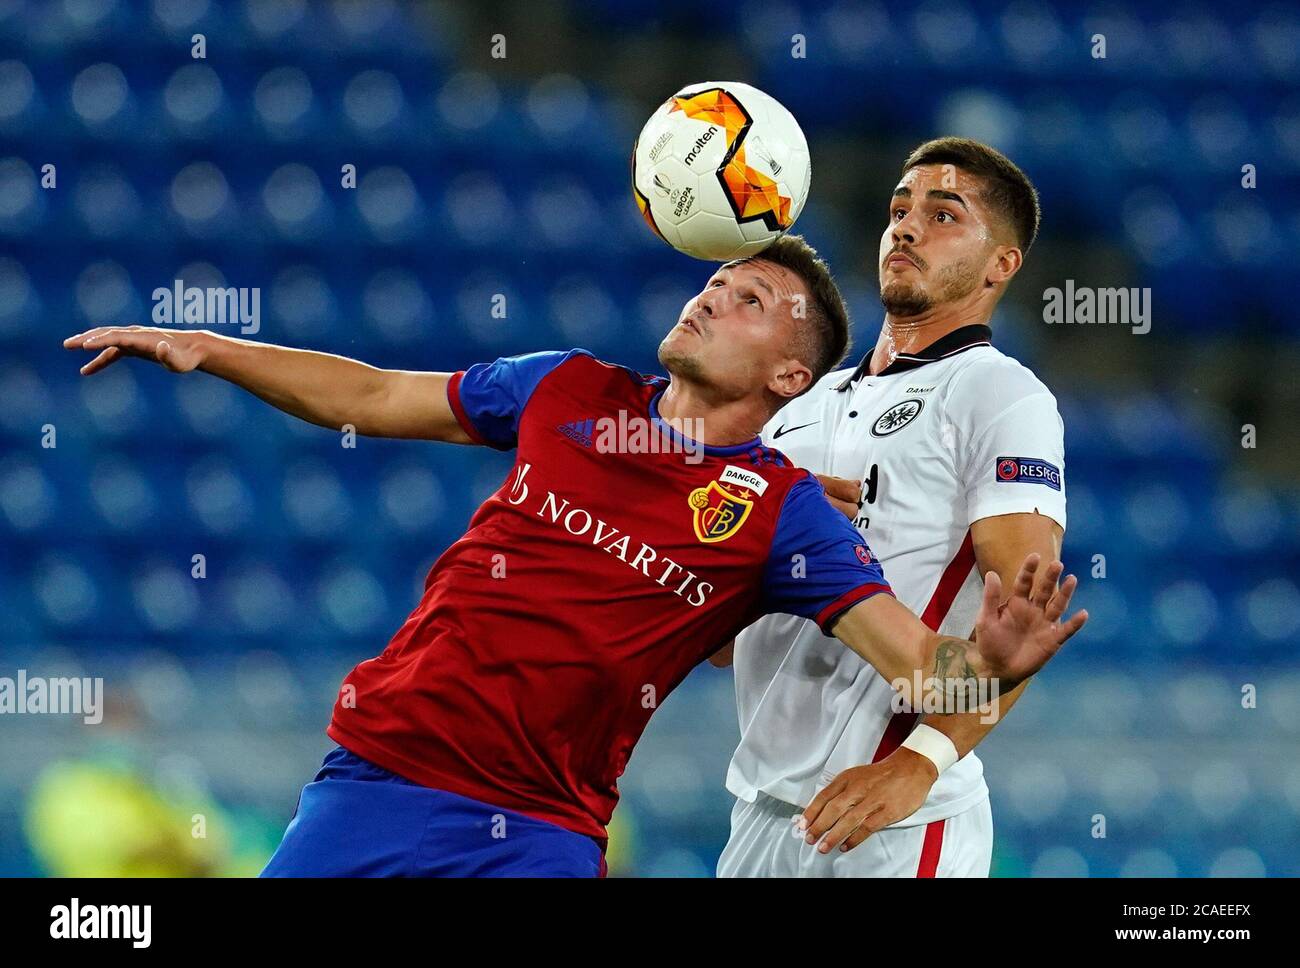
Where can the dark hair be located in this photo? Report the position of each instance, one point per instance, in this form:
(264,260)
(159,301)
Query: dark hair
(1010,192)
(823,341)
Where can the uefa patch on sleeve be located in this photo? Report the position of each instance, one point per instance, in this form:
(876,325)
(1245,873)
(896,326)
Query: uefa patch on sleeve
(1028,470)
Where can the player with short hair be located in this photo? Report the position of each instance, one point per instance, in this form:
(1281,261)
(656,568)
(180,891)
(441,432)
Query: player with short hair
(956,456)
(488,737)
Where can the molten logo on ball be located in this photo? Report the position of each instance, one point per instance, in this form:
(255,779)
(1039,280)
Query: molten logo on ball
(737,163)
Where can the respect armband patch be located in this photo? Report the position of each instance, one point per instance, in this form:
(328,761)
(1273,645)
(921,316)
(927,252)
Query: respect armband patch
(1027,470)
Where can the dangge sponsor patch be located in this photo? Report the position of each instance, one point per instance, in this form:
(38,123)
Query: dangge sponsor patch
(731,474)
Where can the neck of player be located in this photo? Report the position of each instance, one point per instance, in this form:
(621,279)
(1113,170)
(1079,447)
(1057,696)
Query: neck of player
(723,422)
(911,334)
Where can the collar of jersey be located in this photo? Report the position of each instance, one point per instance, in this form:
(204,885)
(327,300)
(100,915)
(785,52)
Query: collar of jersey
(686,442)
(958,341)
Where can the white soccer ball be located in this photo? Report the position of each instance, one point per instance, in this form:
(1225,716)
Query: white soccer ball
(721,170)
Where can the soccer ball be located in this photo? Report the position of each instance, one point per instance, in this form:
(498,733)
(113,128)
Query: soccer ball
(721,170)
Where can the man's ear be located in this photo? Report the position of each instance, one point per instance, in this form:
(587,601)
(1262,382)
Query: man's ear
(791,380)
(1007,260)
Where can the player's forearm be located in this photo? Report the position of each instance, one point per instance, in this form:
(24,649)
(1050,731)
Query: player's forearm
(955,674)
(967,730)
(331,391)
(323,389)
(916,661)
(1001,544)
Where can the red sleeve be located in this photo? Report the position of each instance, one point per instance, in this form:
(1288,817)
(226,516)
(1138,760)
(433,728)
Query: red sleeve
(458,408)
(827,616)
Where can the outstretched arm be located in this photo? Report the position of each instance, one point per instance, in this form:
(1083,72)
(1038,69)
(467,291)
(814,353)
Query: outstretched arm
(1012,641)
(1000,543)
(330,391)
(862,800)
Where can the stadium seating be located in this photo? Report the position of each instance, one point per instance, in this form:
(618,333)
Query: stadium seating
(227,171)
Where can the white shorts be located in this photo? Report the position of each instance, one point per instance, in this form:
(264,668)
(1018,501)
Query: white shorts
(763,843)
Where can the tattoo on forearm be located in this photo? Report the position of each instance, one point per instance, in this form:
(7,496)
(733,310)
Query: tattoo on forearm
(954,685)
(954,675)
(952,659)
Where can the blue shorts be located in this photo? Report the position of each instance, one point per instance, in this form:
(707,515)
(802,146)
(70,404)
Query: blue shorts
(359,820)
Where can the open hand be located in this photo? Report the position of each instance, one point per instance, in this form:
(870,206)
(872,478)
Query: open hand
(179,350)
(1015,639)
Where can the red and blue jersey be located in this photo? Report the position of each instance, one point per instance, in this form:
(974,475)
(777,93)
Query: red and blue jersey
(586,588)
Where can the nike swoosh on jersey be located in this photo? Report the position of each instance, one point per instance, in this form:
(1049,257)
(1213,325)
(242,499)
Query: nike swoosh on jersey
(783,430)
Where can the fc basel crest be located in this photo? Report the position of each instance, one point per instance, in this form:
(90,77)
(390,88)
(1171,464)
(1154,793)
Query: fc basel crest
(719,512)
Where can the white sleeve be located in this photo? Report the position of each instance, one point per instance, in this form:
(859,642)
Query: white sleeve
(1014,458)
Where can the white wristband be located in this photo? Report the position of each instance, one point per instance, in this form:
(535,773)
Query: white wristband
(933,745)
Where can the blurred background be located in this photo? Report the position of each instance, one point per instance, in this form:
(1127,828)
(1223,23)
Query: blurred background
(479,175)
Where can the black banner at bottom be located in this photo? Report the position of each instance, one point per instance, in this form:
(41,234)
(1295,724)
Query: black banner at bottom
(329,917)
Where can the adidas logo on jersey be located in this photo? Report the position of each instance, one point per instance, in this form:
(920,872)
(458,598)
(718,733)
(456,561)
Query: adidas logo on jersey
(633,433)
(579,430)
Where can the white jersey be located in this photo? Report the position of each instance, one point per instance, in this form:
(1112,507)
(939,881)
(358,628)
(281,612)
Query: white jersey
(940,440)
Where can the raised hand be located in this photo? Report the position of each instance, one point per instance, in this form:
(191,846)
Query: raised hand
(1015,639)
(178,350)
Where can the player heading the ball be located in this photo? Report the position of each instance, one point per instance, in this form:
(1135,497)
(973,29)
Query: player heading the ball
(519,691)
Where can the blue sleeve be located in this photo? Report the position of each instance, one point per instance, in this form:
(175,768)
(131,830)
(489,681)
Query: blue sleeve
(489,398)
(819,565)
